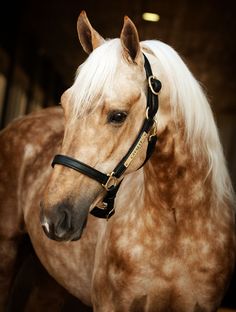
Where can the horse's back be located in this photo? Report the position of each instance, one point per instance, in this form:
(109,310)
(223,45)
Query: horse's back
(34,129)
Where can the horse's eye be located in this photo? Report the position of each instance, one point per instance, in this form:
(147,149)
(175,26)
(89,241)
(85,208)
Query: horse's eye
(117,117)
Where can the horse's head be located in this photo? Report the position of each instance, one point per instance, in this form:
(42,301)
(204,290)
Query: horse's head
(104,112)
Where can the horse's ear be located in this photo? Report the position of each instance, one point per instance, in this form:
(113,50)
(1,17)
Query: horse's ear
(88,37)
(130,41)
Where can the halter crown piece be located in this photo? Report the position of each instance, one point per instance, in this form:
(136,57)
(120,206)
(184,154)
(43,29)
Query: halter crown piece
(111,181)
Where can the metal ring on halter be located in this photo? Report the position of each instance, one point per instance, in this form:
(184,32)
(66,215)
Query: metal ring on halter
(111,178)
(150,84)
(147,113)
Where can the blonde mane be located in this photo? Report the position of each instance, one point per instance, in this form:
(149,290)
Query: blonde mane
(94,76)
(186,98)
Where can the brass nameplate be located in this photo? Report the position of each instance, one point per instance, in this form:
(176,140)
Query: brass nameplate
(135,151)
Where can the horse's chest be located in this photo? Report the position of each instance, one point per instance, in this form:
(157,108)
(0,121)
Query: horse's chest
(152,273)
(140,285)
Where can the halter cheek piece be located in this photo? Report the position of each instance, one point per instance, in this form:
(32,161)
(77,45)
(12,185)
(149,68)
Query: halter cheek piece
(111,181)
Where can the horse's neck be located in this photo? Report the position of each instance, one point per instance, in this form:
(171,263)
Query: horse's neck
(175,181)
(172,185)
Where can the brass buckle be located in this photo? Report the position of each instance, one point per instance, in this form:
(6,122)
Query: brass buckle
(102,205)
(150,84)
(153,131)
(112,181)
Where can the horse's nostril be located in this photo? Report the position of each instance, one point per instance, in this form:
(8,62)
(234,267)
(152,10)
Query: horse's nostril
(64,224)
(46,225)
(48,229)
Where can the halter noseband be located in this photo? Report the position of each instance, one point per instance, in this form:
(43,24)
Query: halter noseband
(111,181)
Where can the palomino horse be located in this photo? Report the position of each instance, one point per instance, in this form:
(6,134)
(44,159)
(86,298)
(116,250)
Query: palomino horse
(166,242)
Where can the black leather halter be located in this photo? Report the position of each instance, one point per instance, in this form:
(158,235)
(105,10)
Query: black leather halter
(111,180)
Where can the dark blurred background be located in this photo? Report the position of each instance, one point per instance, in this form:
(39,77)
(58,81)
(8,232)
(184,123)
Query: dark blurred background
(40,52)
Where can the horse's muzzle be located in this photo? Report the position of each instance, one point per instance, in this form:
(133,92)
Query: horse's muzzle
(62,223)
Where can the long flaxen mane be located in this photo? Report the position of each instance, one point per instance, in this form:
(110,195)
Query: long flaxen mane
(187,99)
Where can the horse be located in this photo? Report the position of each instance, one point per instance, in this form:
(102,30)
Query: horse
(137,213)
